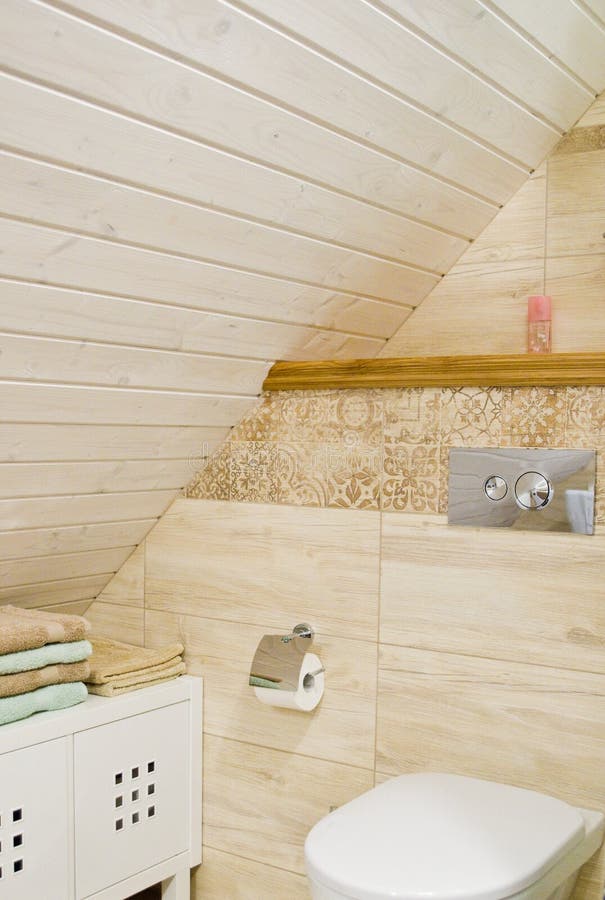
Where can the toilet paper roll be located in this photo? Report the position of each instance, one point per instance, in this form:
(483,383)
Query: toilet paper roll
(308,693)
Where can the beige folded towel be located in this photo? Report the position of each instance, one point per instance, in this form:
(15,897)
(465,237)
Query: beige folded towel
(26,629)
(113,689)
(111,659)
(23,682)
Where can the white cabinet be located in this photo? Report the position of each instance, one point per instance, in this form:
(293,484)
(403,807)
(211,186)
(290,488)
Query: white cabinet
(104,799)
(34,821)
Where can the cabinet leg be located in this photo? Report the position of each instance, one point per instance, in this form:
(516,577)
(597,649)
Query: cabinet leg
(177,886)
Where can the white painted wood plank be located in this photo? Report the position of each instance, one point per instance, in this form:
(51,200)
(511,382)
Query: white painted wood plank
(73,539)
(116,406)
(64,443)
(81,203)
(99,207)
(85,137)
(57,512)
(48,593)
(46,479)
(62,258)
(81,362)
(71,565)
(41,309)
(597,7)
(225,40)
(368,40)
(473,33)
(71,55)
(566,31)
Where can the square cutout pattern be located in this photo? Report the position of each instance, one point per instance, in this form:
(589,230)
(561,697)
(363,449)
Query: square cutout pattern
(12,840)
(132,812)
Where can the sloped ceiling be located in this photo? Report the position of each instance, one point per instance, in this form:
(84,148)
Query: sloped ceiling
(191,189)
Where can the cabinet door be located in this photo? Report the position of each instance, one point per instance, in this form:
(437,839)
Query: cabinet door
(131,796)
(35,838)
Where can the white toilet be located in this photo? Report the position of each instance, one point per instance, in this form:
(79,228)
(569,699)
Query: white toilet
(446,837)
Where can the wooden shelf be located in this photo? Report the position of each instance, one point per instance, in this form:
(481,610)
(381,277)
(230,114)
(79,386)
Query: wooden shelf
(524,370)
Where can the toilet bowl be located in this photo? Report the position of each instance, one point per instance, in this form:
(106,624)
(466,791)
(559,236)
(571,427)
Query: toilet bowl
(434,836)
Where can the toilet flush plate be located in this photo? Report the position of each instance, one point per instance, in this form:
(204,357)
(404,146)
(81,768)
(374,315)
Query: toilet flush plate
(528,490)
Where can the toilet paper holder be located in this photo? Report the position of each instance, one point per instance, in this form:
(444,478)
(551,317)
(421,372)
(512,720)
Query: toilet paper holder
(278,659)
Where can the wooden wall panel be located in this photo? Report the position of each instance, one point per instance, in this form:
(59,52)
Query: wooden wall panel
(270,801)
(221,652)
(225,875)
(493,593)
(155,260)
(325,561)
(486,666)
(548,239)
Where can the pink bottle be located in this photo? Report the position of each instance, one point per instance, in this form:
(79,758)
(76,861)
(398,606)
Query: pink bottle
(539,326)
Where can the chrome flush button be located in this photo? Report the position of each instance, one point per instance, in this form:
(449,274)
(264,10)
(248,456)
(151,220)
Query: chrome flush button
(495,487)
(533,491)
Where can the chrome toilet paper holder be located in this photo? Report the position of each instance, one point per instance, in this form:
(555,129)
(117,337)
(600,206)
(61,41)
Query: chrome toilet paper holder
(278,660)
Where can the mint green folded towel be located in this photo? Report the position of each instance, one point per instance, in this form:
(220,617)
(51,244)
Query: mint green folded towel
(54,696)
(49,655)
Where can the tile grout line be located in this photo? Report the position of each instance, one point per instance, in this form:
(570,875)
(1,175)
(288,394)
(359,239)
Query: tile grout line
(378,610)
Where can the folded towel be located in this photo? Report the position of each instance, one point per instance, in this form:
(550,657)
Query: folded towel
(55,696)
(22,682)
(111,658)
(26,629)
(49,655)
(114,690)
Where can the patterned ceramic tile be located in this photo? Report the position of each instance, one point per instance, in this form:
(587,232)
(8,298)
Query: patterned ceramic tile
(304,417)
(411,478)
(581,140)
(357,417)
(353,477)
(471,417)
(411,416)
(351,418)
(390,448)
(261,423)
(302,474)
(254,472)
(534,417)
(444,473)
(213,482)
(586,410)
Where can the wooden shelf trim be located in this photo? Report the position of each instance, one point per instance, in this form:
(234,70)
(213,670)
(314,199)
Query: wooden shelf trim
(523,370)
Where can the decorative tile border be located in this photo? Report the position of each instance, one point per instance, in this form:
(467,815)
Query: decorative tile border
(388,449)
(581,140)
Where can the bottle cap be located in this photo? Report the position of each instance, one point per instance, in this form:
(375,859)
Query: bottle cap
(539,308)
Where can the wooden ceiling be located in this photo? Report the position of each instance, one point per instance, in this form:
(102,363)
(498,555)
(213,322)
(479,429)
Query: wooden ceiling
(191,189)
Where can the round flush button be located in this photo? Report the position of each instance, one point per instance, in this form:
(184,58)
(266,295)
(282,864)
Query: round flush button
(495,487)
(533,490)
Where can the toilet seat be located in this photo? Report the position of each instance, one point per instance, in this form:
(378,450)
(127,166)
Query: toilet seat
(443,837)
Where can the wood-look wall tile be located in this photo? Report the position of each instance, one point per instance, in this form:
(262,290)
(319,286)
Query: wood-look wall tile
(261,803)
(127,587)
(493,592)
(534,726)
(117,622)
(576,188)
(254,563)
(75,608)
(340,729)
(223,876)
